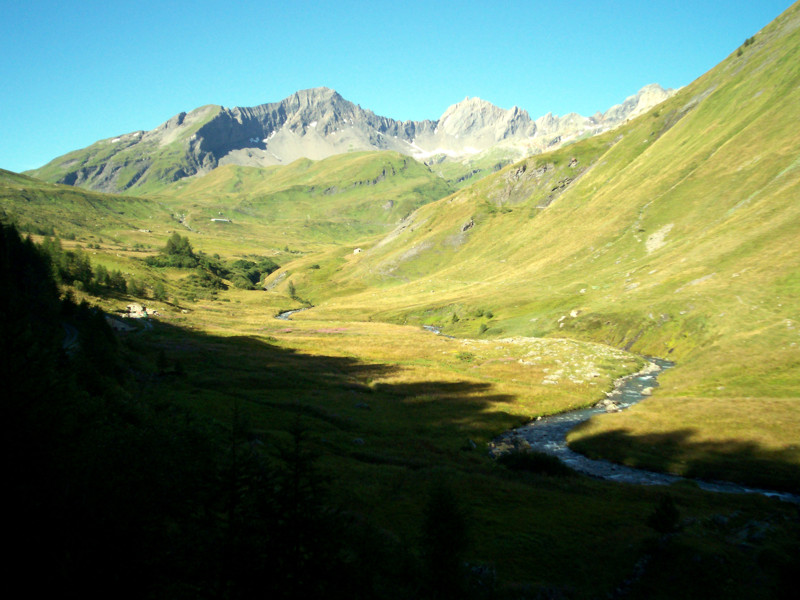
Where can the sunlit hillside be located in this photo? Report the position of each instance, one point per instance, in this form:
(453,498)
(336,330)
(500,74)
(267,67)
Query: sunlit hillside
(48,208)
(367,376)
(313,204)
(675,235)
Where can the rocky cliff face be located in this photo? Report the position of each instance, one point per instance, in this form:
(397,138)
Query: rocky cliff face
(315,124)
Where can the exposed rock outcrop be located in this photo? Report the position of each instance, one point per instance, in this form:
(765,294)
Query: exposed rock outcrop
(315,124)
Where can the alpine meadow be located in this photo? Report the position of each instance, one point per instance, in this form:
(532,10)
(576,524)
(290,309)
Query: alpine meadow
(301,350)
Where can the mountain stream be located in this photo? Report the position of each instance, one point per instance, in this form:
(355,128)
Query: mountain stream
(548,435)
(284,316)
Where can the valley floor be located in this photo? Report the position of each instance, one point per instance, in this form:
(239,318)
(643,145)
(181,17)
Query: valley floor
(394,410)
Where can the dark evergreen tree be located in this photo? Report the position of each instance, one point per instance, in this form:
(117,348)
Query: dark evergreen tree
(159,292)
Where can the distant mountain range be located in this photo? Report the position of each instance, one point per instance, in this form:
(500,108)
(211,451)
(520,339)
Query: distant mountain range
(318,123)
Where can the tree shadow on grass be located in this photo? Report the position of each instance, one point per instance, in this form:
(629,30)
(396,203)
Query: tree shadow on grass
(408,422)
(739,461)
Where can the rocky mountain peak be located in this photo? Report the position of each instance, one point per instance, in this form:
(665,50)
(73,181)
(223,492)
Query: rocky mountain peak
(484,122)
(314,97)
(638,103)
(474,110)
(316,123)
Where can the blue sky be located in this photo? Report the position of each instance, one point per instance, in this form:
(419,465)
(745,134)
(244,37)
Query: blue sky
(76,72)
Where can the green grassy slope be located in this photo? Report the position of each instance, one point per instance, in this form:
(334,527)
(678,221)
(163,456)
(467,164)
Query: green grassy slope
(308,206)
(133,163)
(675,235)
(308,203)
(39,207)
(471,169)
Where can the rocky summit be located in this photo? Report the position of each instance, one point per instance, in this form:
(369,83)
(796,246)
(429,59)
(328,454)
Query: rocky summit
(318,123)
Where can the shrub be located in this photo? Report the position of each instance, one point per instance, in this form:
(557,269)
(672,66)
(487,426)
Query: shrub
(137,288)
(172,260)
(178,245)
(117,282)
(207,280)
(242,282)
(252,271)
(159,292)
(176,253)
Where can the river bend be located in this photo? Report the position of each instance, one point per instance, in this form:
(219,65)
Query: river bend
(548,435)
